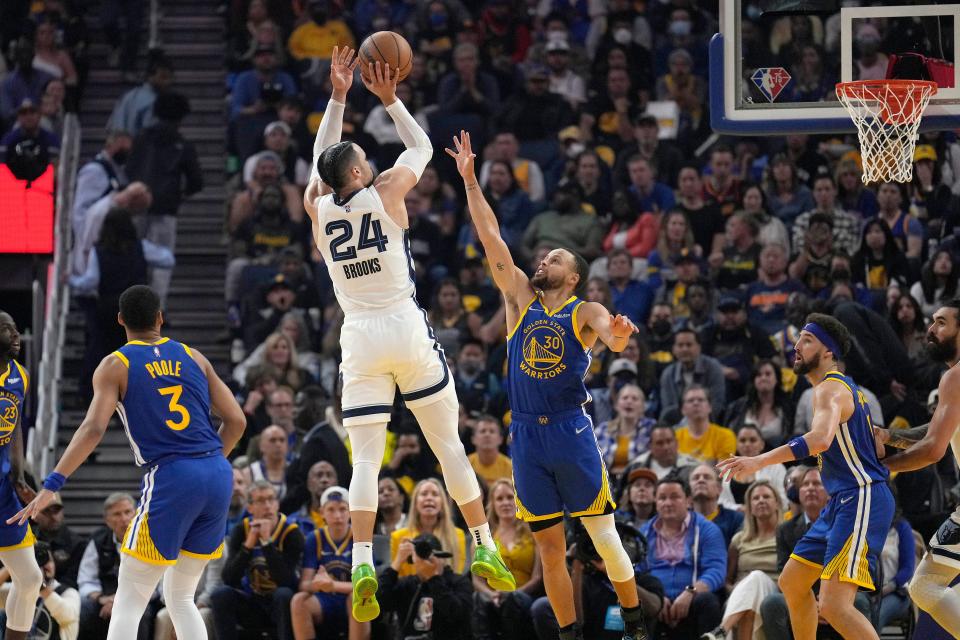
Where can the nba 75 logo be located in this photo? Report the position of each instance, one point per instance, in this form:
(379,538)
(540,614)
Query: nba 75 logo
(770,81)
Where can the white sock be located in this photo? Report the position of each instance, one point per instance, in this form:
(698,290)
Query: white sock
(482,537)
(362,553)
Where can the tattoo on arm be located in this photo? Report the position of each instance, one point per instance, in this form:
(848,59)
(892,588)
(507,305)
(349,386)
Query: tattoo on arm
(500,266)
(472,187)
(906,438)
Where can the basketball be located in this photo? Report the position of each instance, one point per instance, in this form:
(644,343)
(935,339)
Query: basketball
(389,48)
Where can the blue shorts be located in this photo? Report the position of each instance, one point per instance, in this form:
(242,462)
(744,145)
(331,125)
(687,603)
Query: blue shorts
(12,536)
(849,535)
(557,467)
(334,606)
(183,509)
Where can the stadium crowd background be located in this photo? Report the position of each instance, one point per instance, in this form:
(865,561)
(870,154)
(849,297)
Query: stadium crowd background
(717,251)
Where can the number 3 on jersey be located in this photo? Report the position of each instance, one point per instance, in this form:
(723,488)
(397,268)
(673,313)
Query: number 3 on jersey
(367,241)
(175,407)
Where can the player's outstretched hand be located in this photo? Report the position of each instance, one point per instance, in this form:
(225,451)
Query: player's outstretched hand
(38,504)
(880,438)
(342,64)
(381,82)
(464,154)
(622,327)
(736,467)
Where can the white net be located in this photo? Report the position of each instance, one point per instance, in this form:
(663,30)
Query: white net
(887,114)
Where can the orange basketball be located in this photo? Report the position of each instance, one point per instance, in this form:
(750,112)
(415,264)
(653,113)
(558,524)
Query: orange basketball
(389,48)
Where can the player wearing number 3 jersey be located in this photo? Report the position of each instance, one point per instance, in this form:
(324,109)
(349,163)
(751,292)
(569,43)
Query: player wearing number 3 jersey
(360,226)
(163,392)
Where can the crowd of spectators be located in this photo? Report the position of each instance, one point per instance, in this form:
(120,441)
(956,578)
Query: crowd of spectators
(716,251)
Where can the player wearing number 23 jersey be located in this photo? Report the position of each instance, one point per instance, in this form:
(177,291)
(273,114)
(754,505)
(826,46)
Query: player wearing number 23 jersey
(166,415)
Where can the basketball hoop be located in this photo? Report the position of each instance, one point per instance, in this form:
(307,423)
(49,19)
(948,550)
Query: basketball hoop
(887,114)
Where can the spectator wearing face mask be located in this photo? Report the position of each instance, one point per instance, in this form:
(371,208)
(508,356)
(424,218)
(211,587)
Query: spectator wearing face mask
(102,175)
(317,37)
(566,224)
(476,387)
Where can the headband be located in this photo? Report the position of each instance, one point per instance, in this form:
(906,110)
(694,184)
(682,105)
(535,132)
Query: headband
(824,337)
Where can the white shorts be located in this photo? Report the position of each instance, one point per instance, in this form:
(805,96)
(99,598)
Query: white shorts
(386,349)
(945,543)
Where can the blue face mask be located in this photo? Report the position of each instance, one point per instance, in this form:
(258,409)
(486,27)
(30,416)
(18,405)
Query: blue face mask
(793,494)
(438,20)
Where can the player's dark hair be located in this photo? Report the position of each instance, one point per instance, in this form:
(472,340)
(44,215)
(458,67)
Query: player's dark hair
(835,330)
(139,306)
(674,477)
(952,304)
(583,271)
(333,163)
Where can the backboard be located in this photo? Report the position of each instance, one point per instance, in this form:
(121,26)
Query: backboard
(764,63)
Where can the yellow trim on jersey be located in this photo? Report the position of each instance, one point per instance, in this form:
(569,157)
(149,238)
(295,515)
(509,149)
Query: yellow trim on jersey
(187,349)
(599,505)
(558,309)
(204,556)
(520,319)
(337,548)
(142,343)
(26,378)
(28,540)
(862,577)
(576,325)
(122,358)
(524,514)
(3,376)
(144,549)
(809,563)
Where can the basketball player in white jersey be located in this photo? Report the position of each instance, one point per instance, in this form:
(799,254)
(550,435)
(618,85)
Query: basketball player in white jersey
(930,587)
(360,226)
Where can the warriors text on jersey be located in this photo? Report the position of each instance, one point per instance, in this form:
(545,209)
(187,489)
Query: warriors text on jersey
(851,461)
(365,251)
(166,408)
(547,360)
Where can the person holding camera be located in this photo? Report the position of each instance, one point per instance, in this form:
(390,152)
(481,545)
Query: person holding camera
(435,602)
(260,574)
(58,610)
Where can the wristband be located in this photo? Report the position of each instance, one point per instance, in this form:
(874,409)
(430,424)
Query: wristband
(799,448)
(54,481)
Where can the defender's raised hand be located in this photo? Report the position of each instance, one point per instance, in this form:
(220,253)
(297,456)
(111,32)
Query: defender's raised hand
(342,64)
(464,154)
(381,82)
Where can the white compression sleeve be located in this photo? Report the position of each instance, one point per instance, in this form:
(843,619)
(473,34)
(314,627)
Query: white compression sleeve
(137,582)
(331,128)
(438,420)
(419,150)
(368,442)
(603,532)
(27,579)
(179,590)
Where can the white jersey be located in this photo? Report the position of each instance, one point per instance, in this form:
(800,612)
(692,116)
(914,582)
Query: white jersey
(365,250)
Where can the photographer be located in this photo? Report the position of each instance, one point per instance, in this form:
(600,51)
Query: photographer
(58,611)
(593,594)
(435,603)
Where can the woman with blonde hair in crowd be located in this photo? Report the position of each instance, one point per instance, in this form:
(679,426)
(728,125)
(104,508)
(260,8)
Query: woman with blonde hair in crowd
(751,563)
(280,359)
(294,326)
(430,513)
(508,613)
(674,240)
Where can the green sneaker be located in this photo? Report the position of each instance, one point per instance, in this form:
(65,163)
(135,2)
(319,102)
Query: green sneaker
(489,566)
(365,606)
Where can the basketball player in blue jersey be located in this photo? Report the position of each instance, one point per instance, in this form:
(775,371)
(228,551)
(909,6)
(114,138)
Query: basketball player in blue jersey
(16,538)
(360,226)
(557,464)
(843,547)
(163,392)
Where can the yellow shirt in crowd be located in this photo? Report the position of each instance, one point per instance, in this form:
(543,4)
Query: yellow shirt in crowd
(718,443)
(502,467)
(311,40)
(519,558)
(456,563)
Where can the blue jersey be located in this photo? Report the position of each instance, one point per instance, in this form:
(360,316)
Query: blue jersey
(14,385)
(321,550)
(547,360)
(851,461)
(166,408)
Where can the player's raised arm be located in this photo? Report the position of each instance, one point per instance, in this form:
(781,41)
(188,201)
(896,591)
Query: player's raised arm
(107,381)
(512,282)
(394,183)
(224,404)
(342,64)
(613,331)
(942,427)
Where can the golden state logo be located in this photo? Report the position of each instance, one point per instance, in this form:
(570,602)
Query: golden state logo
(9,411)
(543,350)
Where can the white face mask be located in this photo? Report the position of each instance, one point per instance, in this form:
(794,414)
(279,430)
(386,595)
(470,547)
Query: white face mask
(622,36)
(575,149)
(680,27)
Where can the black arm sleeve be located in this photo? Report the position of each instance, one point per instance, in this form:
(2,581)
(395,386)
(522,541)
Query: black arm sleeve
(238,558)
(284,565)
